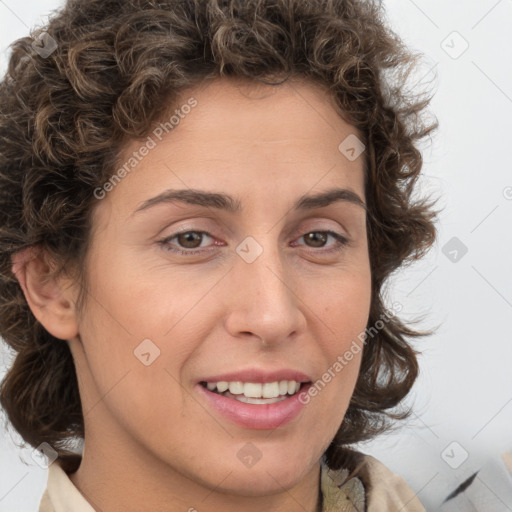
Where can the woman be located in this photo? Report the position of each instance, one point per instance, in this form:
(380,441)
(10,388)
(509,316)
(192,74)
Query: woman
(201,203)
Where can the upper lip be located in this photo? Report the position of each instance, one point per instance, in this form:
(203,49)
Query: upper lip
(258,375)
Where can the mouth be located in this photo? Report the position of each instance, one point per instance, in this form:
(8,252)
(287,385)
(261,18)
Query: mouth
(256,393)
(254,405)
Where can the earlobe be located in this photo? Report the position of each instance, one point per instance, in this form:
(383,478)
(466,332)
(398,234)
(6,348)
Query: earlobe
(50,299)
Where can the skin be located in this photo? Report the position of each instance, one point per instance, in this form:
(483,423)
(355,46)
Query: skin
(152,443)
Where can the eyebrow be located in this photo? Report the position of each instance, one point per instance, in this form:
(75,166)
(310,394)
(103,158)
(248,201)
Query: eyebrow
(232,205)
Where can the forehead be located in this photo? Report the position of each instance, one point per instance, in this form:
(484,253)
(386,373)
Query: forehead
(240,133)
(231,114)
(265,114)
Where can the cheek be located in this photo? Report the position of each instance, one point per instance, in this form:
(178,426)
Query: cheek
(130,380)
(136,339)
(345,312)
(145,296)
(345,307)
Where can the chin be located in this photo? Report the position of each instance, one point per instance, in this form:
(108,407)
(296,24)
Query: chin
(259,483)
(265,477)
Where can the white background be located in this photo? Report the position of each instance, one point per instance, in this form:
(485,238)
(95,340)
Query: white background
(464,394)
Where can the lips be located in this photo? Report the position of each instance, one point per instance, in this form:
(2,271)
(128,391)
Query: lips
(255,413)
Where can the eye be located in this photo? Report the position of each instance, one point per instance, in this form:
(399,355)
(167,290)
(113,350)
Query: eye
(319,239)
(186,242)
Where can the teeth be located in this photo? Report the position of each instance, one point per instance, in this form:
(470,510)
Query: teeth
(271,390)
(236,388)
(222,386)
(292,387)
(258,401)
(251,390)
(256,390)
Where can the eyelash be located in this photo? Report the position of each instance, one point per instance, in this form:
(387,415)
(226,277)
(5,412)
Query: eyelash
(342,241)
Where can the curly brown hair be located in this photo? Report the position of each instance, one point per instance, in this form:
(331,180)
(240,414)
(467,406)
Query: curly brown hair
(118,65)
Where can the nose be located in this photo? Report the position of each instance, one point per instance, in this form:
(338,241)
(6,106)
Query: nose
(264,299)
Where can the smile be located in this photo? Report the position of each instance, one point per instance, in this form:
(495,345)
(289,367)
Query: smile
(255,405)
(255,392)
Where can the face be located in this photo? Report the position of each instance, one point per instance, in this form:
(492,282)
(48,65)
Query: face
(265,282)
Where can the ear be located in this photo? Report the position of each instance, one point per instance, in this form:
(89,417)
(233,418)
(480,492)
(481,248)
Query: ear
(52,300)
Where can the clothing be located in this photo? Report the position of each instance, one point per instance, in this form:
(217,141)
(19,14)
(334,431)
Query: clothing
(370,487)
(487,490)
(61,495)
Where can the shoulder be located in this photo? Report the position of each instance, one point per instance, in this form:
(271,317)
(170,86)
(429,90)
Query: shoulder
(46,504)
(384,491)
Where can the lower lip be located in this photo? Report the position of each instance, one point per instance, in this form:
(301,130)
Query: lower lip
(256,416)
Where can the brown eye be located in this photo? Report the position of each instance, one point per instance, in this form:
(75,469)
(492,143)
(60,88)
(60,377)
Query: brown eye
(190,239)
(316,238)
(319,239)
(186,241)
